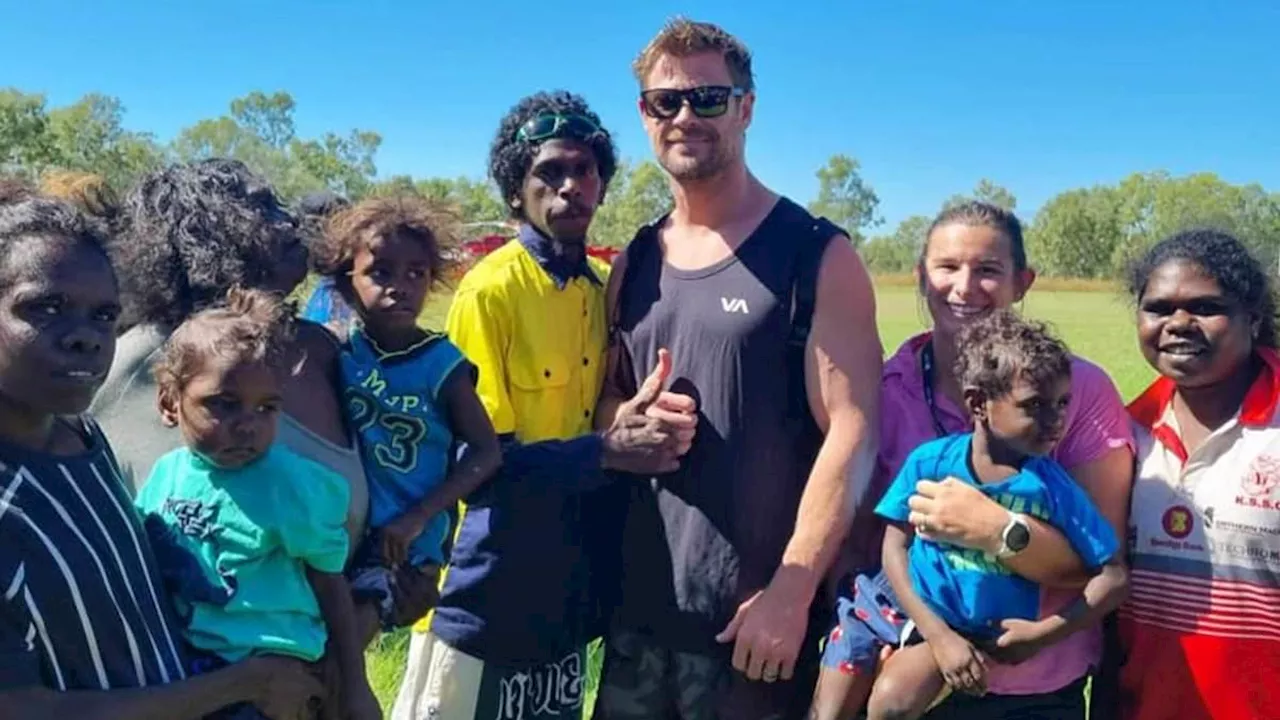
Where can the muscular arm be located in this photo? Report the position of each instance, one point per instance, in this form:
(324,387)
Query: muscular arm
(842,371)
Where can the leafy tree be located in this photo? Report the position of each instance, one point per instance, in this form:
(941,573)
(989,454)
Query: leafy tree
(1095,232)
(87,136)
(475,200)
(898,252)
(638,194)
(845,198)
(260,132)
(25,143)
(985,191)
(1082,232)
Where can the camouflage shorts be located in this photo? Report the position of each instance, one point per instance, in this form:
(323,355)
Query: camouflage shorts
(642,680)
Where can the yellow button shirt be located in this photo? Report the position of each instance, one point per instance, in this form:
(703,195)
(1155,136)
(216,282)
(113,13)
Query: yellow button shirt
(540,348)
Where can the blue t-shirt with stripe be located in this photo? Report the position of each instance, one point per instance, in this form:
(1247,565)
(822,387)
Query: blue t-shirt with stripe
(393,402)
(968,590)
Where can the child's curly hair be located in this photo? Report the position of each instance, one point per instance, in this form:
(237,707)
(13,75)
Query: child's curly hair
(432,222)
(994,351)
(249,326)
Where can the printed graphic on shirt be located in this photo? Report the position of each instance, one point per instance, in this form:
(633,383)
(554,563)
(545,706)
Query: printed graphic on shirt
(393,403)
(192,517)
(1206,550)
(1260,486)
(549,690)
(394,435)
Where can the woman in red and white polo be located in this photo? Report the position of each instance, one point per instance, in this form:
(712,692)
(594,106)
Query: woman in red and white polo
(1201,630)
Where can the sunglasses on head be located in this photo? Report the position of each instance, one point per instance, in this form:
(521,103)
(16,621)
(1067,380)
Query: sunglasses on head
(554,125)
(707,101)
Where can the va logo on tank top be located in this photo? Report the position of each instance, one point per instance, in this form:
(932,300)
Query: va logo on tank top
(734,305)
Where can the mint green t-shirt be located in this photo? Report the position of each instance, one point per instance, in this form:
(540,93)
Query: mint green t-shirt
(252,532)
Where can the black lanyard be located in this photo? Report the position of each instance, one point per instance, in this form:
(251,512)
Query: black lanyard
(926,372)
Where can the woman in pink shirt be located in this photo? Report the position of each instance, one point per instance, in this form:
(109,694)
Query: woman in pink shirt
(973,261)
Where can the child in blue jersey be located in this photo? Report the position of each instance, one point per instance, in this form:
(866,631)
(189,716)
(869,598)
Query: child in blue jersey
(966,605)
(409,393)
(249,536)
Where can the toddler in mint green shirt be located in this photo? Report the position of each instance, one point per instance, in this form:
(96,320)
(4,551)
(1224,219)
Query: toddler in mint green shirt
(250,537)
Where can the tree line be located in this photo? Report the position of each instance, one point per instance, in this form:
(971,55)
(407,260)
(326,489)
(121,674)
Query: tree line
(1082,232)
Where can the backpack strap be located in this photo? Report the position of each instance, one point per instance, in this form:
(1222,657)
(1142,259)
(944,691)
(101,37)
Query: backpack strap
(804,290)
(637,253)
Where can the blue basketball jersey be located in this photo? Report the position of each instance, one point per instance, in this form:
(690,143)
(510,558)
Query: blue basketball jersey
(392,401)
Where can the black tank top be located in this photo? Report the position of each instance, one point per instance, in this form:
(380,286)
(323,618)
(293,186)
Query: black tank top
(700,541)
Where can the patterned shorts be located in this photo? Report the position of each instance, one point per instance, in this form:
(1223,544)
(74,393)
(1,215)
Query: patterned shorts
(868,617)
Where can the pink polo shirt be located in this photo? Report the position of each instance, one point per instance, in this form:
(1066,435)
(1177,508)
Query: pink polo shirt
(1096,424)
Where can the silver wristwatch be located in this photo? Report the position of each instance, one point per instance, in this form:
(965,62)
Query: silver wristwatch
(1015,537)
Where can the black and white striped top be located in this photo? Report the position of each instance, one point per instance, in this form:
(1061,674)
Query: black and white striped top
(82,605)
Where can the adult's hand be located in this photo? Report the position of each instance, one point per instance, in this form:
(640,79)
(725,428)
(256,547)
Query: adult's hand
(955,512)
(768,630)
(652,430)
(286,688)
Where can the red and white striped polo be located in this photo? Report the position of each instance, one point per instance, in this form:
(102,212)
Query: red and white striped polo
(1201,628)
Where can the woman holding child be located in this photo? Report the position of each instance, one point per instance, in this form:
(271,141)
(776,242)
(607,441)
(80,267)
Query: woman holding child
(973,262)
(85,628)
(192,232)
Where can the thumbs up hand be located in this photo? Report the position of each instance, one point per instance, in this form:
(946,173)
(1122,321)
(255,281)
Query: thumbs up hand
(651,388)
(653,429)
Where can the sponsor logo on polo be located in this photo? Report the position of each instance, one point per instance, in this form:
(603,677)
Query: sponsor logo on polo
(1259,484)
(1177,522)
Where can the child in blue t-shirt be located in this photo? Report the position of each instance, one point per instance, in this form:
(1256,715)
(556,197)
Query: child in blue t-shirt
(409,393)
(249,536)
(964,604)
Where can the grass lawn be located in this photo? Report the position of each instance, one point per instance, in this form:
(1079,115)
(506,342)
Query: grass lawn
(1096,323)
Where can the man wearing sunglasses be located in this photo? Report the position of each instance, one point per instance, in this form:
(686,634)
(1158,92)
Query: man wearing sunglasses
(536,548)
(770,318)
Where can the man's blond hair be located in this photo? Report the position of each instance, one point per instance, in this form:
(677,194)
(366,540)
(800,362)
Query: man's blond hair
(682,37)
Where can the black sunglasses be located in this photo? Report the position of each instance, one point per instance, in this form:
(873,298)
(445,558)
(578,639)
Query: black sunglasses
(707,101)
(550,125)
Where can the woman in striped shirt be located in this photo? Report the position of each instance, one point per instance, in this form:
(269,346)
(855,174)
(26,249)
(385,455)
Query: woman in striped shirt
(84,627)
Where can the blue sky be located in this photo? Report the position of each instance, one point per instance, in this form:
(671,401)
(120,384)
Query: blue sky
(929,96)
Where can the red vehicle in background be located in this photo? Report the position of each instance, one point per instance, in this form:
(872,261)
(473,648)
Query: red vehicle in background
(485,237)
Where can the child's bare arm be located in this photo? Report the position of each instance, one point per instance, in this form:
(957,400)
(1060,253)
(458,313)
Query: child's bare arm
(1102,594)
(338,610)
(961,664)
(897,539)
(471,424)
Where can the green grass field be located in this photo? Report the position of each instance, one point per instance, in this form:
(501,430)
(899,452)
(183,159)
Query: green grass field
(1096,323)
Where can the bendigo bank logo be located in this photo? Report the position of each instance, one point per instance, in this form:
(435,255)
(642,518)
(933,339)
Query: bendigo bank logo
(1177,522)
(1259,483)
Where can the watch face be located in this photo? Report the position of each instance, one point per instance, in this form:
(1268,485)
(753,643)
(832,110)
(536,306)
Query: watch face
(1018,537)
